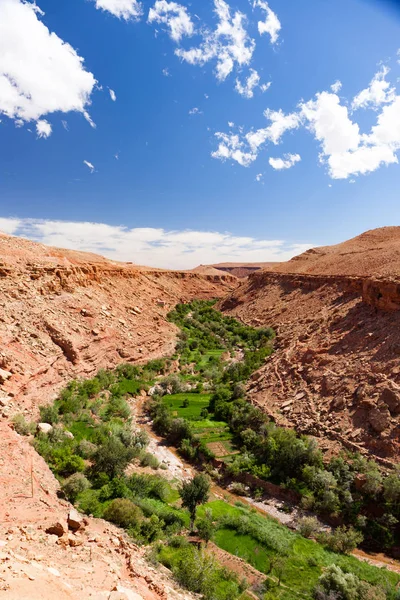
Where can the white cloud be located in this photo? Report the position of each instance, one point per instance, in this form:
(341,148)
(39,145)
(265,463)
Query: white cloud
(229,44)
(174,16)
(244,147)
(336,87)
(166,72)
(288,161)
(195,111)
(43,128)
(65,125)
(247,88)
(271,25)
(89,165)
(330,123)
(10,225)
(113,95)
(39,72)
(378,92)
(344,149)
(232,147)
(153,247)
(123,9)
(259,177)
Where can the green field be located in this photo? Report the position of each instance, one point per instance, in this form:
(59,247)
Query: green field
(303,562)
(209,431)
(197,402)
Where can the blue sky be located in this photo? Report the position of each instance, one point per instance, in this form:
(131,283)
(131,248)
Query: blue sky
(189,163)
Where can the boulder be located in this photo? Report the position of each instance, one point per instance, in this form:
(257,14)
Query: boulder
(4,375)
(75,520)
(379,418)
(44,428)
(391,398)
(57,529)
(74,541)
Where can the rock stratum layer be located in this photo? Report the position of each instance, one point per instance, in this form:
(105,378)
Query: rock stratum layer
(336,370)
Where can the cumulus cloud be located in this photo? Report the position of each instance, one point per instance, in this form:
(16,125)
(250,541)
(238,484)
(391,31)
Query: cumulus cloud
(288,161)
(245,147)
(259,177)
(344,149)
(229,44)
(252,82)
(39,72)
(130,10)
(174,16)
(195,111)
(378,92)
(153,247)
(113,95)
(89,165)
(271,24)
(231,147)
(43,128)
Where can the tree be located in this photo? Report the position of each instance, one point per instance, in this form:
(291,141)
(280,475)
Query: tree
(194,493)
(205,526)
(112,458)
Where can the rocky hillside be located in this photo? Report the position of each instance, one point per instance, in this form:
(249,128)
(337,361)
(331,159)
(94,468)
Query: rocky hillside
(373,253)
(66,314)
(336,371)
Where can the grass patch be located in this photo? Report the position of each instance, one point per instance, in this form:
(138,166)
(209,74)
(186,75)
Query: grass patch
(175,404)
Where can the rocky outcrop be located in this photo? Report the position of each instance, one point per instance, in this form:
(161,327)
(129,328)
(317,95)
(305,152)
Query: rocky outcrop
(335,372)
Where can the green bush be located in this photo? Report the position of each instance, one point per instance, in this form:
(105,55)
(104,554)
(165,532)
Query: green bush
(22,426)
(75,485)
(342,539)
(334,584)
(308,526)
(149,460)
(49,414)
(124,513)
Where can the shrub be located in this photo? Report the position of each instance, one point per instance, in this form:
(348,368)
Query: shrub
(67,464)
(334,584)
(49,414)
(343,539)
(149,460)
(75,485)
(308,526)
(86,449)
(123,512)
(238,488)
(22,426)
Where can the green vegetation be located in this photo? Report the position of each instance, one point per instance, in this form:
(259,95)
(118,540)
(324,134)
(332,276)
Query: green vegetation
(198,571)
(203,412)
